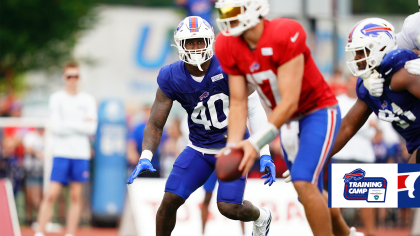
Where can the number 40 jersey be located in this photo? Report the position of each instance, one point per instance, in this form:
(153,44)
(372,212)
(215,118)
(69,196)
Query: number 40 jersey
(206,102)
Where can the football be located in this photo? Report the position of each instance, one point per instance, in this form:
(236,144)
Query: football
(227,165)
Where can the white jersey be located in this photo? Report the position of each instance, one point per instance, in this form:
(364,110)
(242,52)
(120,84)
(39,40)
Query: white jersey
(411,30)
(73,118)
(358,148)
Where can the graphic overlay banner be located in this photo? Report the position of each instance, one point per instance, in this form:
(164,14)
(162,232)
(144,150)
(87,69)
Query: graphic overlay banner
(408,185)
(363,185)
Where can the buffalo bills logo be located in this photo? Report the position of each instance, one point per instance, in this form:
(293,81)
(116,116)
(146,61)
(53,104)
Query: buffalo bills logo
(384,105)
(255,66)
(179,26)
(206,23)
(355,175)
(204,95)
(359,187)
(375,30)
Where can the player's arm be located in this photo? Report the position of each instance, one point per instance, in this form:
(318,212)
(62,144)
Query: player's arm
(289,80)
(350,124)
(402,80)
(152,133)
(257,119)
(238,108)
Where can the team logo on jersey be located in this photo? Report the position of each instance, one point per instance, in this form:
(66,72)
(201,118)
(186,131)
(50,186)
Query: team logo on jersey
(358,187)
(408,185)
(384,105)
(204,95)
(374,30)
(255,66)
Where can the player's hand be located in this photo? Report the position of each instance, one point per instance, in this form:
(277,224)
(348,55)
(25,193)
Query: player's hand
(374,84)
(144,165)
(413,66)
(287,175)
(266,163)
(228,145)
(249,156)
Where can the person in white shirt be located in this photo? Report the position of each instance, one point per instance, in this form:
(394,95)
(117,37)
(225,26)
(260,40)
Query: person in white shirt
(73,117)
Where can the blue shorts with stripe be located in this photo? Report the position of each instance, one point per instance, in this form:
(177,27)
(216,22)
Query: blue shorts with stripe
(317,133)
(67,170)
(192,169)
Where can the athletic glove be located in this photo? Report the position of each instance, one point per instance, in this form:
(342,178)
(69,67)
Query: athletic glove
(286,175)
(266,163)
(144,165)
(413,66)
(374,84)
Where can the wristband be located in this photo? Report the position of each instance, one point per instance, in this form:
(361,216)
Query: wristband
(263,136)
(265,151)
(230,144)
(146,154)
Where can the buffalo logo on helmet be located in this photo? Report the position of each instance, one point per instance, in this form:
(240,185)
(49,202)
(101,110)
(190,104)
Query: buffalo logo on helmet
(374,30)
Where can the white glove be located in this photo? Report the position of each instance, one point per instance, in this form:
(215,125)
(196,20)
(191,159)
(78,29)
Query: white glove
(286,175)
(374,84)
(413,66)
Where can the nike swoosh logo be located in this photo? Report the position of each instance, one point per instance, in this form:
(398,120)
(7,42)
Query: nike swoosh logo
(293,39)
(386,73)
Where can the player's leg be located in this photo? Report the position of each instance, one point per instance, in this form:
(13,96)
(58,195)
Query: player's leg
(339,225)
(317,134)
(79,176)
(231,204)
(190,171)
(367,215)
(208,188)
(59,177)
(415,157)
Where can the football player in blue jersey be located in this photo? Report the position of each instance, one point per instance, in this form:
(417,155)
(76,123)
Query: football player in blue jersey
(373,45)
(198,83)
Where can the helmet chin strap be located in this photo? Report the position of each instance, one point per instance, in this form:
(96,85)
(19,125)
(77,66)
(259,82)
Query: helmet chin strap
(197,59)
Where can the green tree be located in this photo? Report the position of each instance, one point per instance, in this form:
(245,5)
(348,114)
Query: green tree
(392,7)
(37,34)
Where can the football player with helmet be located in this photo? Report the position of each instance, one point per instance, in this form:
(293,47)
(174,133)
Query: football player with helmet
(373,45)
(273,56)
(198,83)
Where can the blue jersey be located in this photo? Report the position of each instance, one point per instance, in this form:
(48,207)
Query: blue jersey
(402,107)
(206,102)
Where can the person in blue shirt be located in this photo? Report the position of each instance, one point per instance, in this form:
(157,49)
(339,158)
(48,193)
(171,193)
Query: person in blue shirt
(134,146)
(198,83)
(385,87)
(201,8)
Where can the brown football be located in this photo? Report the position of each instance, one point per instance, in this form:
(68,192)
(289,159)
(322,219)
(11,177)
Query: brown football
(227,164)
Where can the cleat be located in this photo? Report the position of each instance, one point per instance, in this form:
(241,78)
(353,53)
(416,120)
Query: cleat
(263,228)
(354,233)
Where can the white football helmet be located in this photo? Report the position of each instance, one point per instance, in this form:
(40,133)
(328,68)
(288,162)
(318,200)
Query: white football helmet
(375,34)
(190,28)
(247,12)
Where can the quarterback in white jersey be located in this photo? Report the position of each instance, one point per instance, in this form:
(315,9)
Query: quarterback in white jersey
(73,118)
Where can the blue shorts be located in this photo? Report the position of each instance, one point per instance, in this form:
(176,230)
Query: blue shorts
(192,169)
(210,183)
(67,170)
(317,133)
